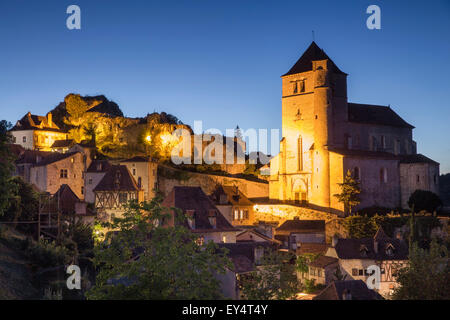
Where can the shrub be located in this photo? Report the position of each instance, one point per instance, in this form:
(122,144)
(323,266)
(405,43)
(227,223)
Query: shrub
(47,254)
(424,200)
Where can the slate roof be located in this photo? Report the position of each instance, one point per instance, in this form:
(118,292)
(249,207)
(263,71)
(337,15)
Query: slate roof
(32,156)
(364,153)
(99,166)
(313,53)
(234,196)
(242,254)
(117,178)
(365,248)
(55,157)
(357,288)
(34,122)
(375,114)
(301,226)
(323,261)
(416,158)
(193,198)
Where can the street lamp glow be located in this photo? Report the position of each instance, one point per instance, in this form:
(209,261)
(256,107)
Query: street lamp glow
(148,138)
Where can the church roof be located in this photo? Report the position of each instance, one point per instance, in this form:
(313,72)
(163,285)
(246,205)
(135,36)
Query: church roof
(313,53)
(374,114)
(416,158)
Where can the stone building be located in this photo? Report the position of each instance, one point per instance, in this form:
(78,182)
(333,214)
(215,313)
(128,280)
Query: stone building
(55,169)
(36,132)
(324,135)
(234,205)
(145,171)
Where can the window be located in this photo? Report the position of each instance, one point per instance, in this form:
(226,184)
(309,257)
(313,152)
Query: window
(82,190)
(357,173)
(201,240)
(300,153)
(24,139)
(383,175)
(435,179)
(354,272)
(90,181)
(319,272)
(72,160)
(14,139)
(373,144)
(349,141)
(312,271)
(245,214)
(418,179)
(236,214)
(383,142)
(123,197)
(139,182)
(224,239)
(134,172)
(397,146)
(241,214)
(360,272)
(63,173)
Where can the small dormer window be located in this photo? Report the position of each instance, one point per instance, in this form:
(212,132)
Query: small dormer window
(363,251)
(390,250)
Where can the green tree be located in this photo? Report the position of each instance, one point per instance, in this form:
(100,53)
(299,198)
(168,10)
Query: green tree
(273,279)
(424,200)
(7,187)
(427,277)
(350,191)
(145,258)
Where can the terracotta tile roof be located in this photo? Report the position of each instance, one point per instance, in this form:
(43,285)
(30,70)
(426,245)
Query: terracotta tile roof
(312,248)
(117,178)
(374,114)
(416,158)
(62,143)
(357,289)
(35,122)
(139,159)
(302,226)
(193,198)
(323,261)
(313,53)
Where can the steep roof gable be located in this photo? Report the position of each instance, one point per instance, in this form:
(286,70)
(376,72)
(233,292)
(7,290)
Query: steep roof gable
(117,178)
(313,53)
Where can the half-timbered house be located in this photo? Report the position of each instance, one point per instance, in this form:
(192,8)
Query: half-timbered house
(116,188)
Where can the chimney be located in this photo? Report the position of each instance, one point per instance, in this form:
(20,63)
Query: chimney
(50,119)
(212,217)
(334,241)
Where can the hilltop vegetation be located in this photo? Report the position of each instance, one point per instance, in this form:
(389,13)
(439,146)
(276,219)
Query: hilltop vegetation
(444,186)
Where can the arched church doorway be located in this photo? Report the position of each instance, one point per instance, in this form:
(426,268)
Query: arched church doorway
(300,191)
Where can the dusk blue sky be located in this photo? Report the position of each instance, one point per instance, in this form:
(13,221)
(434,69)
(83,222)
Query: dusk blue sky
(221,61)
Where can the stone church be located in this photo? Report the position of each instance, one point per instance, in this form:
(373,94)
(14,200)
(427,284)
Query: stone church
(324,135)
